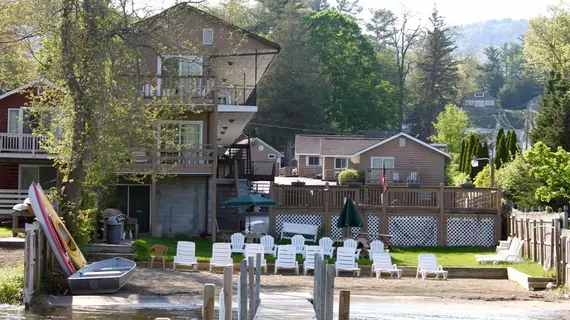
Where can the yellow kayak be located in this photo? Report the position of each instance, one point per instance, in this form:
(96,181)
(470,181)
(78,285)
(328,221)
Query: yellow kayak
(70,246)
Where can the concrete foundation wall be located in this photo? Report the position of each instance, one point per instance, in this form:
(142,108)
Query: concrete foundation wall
(188,198)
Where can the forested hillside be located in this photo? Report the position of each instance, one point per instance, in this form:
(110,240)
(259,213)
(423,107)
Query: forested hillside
(474,38)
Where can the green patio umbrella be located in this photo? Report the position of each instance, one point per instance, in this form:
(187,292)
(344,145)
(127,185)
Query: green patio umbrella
(349,216)
(249,200)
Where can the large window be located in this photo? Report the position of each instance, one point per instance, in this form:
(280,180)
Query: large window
(340,163)
(183,134)
(44,174)
(207,36)
(180,76)
(382,162)
(313,161)
(20,120)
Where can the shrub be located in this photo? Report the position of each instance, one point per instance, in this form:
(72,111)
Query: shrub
(461,178)
(483,178)
(85,226)
(12,285)
(349,176)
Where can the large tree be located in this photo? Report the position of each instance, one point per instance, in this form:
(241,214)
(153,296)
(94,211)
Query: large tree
(551,125)
(492,77)
(349,7)
(360,99)
(449,128)
(436,78)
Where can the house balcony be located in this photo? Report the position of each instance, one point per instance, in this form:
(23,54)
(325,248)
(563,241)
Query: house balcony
(173,161)
(396,176)
(14,145)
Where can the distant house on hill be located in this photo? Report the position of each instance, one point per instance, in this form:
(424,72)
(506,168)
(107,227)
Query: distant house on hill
(479,99)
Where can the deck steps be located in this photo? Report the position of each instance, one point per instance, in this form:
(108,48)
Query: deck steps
(102,251)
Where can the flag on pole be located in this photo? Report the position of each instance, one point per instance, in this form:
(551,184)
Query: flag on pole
(384,182)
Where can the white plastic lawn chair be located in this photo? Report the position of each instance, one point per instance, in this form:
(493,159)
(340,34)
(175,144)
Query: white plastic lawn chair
(326,245)
(298,241)
(382,263)
(309,263)
(352,244)
(504,244)
(346,261)
(427,264)
(237,243)
(269,246)
(376,247)
(286,259)
(512,255)
(221,256)
(185,255)
(251,250)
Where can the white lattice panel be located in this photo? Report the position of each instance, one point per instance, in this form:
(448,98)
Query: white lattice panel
(476,232)
(374,226)
(313,219)
(409,231)
(337,232)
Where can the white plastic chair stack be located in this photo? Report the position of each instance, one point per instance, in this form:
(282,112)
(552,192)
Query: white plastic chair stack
(346,261)
(185,255)
(269,246)
(511,255)
(309,263)
(251,250)
(286,259)
(427,264)
(298,241)
(352,244)
(376,247)
(382,263)
(504,244)
(237,243)
(221,256)
(326,245)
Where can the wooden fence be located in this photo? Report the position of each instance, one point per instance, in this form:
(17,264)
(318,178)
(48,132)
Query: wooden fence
(433,216)
(37,261)
(546,239)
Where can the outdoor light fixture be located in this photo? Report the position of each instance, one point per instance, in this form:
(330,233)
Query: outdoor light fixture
(232,120)
(475,164)
(222,132)
(230,63)
(225,128)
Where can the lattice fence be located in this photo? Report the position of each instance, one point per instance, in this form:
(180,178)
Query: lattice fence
(478,232)
(374,226)
(337,232)
(408,231)
(313,219)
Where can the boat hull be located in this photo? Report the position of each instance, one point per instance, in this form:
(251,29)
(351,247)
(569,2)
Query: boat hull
(107,276)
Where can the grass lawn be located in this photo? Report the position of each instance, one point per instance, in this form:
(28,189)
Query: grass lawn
(533,269)
(5,232)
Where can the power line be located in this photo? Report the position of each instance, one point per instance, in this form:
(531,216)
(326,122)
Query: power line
(291,128)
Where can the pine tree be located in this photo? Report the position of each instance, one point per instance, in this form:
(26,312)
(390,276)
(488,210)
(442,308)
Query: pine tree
(501,152)
(551,125)
(476,152)
(492,77)
(437,75)
(484,153)
(513,144)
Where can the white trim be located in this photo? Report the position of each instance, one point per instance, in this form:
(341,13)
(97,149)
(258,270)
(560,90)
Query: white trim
(19,129)
(277,153)
(271,158)
(31,84)
(376,158)
(159,74)
(337,156)
(308,154)
(204,30)
(402,134)
(236,108)
(341,168)
(314,165)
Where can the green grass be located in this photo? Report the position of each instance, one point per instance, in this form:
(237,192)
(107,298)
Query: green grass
(533,269)
(446,256)
(5,232)
(12,285)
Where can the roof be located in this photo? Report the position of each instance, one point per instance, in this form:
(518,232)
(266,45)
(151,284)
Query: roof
(244,141)
(349,146)
(486,96)
(29,85)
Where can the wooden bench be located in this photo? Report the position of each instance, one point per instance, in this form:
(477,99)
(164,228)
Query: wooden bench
(298,228)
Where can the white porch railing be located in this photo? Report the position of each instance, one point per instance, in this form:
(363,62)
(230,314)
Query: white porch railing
(23,143)
(11,197)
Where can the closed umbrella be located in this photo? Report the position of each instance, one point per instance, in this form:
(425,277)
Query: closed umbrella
(250,201)
(349,216)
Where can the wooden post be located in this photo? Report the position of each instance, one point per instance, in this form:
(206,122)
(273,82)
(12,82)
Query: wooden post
(316,293)
(541,244)
(329,292)
(534,242)
(552,251)
(383,219)
(556,256)
(251,286)
(326,215)
(565,218)
(228,272)
(236,188)
(528,237)
(153,206)
(208,304)
(442,224)
(499,218)
(214,143)
(258,280)
(242,290)
(321,288)
(29,265)
(272,222)
(37,257)
(344,305)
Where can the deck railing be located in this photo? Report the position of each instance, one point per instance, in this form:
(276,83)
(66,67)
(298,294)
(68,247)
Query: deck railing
(174,159)
(426,199)
(21,143)
(393,176)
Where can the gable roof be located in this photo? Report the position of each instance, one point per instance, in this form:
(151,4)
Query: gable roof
(311,144)
(402,134)
(341,146)
(29,85)
(268,146)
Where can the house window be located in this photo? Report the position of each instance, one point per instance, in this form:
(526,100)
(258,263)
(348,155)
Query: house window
(340,163)
(44,175)
(20,120)
(180,75)
(479,95)
(313,161)
(186,134)
(271,156)
(207,36)
(382,162)
(489,102)
(402,142)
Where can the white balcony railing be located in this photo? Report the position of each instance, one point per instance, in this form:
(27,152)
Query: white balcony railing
(21,143)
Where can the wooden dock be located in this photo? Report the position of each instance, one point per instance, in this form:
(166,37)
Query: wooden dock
(283,306)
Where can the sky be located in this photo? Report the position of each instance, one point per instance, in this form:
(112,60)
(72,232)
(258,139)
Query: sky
(456,12)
